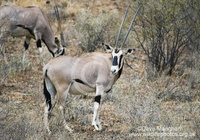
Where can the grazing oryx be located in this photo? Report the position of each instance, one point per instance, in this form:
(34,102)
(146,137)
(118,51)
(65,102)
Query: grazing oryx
(30,22)
(96,72)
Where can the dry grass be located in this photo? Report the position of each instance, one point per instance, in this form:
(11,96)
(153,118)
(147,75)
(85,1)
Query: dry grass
(139,103)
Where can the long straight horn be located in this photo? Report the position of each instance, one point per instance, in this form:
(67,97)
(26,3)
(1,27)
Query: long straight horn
(59,26)
(116,44)
(129,29)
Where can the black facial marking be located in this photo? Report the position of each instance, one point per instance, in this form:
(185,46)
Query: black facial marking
(39,45)
(115,63)
(120,60)
(97,99)
(63,52)
(120,71)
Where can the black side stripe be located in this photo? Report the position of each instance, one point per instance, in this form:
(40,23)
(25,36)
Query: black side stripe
(27,28)
(80,81)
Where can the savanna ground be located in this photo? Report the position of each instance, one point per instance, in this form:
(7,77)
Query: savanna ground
(140,105)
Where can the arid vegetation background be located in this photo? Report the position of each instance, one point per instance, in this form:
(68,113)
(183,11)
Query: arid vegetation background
(157,96)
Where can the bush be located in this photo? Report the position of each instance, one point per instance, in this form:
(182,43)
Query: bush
(168,27)
(92,30)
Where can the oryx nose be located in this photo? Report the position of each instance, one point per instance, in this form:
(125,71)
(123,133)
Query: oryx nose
(113,71)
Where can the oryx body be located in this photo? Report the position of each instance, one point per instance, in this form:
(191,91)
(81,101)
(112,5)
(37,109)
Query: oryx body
(30,22)
(96,72)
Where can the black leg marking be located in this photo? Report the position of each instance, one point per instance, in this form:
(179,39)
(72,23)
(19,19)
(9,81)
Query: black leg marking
(26,45)
(97,99)
(39,44)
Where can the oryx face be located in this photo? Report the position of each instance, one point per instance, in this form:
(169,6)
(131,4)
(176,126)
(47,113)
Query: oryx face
(60,50)
(117,63)
(117,57)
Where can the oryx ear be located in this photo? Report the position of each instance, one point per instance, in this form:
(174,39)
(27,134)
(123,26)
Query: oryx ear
(129,51)
(107,47)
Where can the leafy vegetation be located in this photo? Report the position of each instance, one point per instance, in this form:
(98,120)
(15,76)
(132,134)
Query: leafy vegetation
(167,28)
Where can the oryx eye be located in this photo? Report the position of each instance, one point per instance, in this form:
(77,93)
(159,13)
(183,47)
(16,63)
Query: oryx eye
(116,50)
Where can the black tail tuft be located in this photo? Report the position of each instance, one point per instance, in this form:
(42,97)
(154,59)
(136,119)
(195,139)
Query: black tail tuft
(47,97)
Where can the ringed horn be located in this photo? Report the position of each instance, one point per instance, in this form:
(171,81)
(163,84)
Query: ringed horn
(59,26)
(116,44)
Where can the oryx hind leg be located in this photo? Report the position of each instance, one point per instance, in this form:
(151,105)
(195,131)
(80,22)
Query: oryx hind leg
(97,100)
(48,102)
(49,92)
(61,100)
(3,39)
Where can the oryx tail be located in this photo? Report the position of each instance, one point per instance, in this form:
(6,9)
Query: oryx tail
(47,97)
(49,91)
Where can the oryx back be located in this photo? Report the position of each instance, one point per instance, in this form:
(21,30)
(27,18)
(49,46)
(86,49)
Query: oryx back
(21,21)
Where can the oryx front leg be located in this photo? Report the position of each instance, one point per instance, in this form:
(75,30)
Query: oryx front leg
(39,46)
(97,100)
(38,37)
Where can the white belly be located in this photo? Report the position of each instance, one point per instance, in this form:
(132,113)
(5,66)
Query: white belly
(79,88)
(20,32)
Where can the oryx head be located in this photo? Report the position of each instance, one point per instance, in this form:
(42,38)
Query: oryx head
(60,50)
(117,57)
(118,53)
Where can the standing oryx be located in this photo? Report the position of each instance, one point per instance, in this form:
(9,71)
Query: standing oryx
(31,22)
(96,72)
